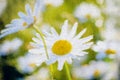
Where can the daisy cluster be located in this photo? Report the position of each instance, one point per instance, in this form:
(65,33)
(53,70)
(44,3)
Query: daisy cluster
(52,46)
(66,46)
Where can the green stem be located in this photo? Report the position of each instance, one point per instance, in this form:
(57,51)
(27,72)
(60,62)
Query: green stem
(52,72)
(68,71)
(45,46)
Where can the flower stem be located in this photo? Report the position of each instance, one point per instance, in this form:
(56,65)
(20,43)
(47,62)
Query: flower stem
(68,71)
(52,72)
(45,46)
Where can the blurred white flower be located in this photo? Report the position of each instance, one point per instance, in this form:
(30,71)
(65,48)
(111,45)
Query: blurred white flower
(112,8)
(87,11)
(3,4)
(55,3)
(106,47)
(88,71)
(112,72)
(10,46)
(43,74)
(25,21)
(29,62)
(63,47)
(110,32)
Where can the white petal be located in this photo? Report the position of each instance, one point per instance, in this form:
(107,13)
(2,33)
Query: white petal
(37,51)
(73,31)
(80,53)
(39,5)
(53,31)
(22,15)
(86,39)
(80,34)
(64,30)
(60,64)
(28,9)
(17,22)
(10,31)
(51,60)
(86,46)
(38,36)
(9,25)
(47,34)
(36,45)
(69,60)
(38,41)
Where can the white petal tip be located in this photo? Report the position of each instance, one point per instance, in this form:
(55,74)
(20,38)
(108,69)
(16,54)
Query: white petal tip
(66,21)
(85,29)
(59,69)
(91,36)
(76,23)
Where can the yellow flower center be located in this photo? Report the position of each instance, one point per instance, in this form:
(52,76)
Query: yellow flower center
(25,24)
(110,51)
(61,47)
(35,19)
(32,65)
(88,16)
(96,73)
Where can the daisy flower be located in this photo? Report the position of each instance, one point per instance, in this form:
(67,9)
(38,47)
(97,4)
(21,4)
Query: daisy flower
(110,32)
(112,9)
(106,48)
(92,70)
(112,73)
(87,11)
(65,46)
(25,21)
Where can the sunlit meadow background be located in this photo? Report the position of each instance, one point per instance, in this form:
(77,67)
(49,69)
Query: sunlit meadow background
(100,17)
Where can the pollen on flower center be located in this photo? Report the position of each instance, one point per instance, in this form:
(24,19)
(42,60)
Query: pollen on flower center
(32,65)
(61,47)
(25,24)
(110,51)
(88,16)
(96,73)
(35,19)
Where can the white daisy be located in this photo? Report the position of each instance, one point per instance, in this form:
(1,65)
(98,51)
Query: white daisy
(112,8)
(110,32)
(87,11)
(25,20)
(112,73)
(64,46)
(10,46)
(88,71)
(106,47)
